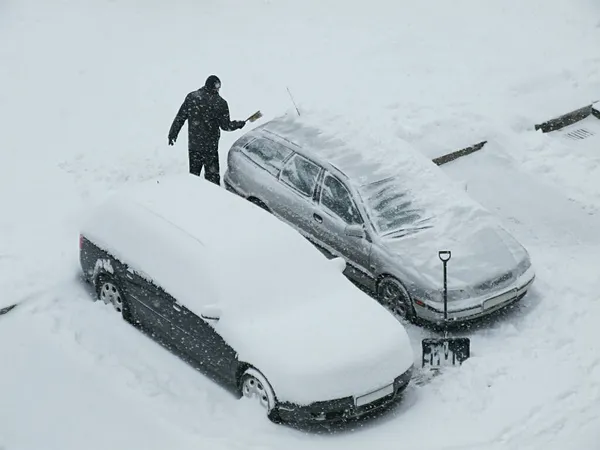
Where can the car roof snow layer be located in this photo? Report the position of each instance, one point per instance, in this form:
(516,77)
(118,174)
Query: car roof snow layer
(204,244)
(362,158)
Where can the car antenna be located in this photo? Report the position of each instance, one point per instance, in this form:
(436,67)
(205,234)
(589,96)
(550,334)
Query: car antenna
(297,110)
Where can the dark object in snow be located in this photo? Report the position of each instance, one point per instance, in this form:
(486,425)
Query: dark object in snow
(569,118)
(207,114)
(7,309)
(446,350)
(297,110)
(254,117)
(458,153)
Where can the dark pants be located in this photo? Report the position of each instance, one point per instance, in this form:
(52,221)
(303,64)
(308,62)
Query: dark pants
(207,160)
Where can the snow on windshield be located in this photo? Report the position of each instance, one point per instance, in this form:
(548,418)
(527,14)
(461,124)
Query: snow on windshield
(392,208)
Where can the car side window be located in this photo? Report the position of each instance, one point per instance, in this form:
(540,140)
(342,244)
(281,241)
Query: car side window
(336,198)
(267,154)
(301,174)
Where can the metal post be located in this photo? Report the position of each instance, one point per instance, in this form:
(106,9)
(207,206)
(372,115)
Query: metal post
(445,292)
(445,256)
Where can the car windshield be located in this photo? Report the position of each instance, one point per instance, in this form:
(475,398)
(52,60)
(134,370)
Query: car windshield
(391,207)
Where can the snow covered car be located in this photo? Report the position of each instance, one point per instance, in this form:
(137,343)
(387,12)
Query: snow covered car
(246,299)
(387,210)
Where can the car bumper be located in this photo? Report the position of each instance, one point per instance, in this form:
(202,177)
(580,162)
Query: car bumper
(482,306)
(343,409)
(228,184)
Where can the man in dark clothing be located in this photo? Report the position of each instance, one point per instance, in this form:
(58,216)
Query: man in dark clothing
(207,114)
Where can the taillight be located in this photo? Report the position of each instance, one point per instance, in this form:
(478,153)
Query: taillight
(80,241)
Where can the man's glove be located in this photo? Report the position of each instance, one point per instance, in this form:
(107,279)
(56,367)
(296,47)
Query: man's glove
(240,124)
(171,140)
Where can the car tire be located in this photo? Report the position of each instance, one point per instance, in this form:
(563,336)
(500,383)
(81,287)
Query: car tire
(392,294)
(109,291)
(255,384)
(259,203)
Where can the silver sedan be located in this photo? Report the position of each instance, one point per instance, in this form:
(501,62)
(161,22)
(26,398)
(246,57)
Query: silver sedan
(386,215)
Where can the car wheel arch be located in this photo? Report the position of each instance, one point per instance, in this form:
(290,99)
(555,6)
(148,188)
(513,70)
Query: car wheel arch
(239,373)
(101,275)
(104,275)
(386,276)
(243,369)
(258,202)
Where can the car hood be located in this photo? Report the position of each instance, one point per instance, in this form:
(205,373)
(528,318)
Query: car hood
(477,255)
(340,345)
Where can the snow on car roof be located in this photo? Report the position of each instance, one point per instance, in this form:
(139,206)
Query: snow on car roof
(322,138)
(243,255)
(392,178)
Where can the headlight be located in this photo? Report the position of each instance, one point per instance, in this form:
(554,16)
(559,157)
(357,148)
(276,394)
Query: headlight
(432,296)
(523,266)
(453,295)
(458,294)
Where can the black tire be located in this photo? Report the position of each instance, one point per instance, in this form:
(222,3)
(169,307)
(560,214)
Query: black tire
(108,290)
(392,294)
(259,203)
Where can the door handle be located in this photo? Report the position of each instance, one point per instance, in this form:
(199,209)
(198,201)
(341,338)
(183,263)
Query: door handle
(318,218)
(176,308)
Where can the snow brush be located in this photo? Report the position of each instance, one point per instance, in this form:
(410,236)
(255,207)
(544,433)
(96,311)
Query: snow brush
(254,117)
(447,350)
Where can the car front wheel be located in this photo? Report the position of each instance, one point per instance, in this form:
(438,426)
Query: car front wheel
(395,298)
(256,387)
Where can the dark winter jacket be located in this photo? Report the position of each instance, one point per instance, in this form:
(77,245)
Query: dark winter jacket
(207,114)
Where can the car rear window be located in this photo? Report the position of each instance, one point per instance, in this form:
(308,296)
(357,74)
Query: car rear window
(267,154)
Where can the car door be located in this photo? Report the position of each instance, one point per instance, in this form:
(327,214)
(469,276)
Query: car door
(293,201)
(200,341)
(334,212)
(150,305)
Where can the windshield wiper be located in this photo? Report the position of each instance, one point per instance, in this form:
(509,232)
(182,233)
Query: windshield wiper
(406,231)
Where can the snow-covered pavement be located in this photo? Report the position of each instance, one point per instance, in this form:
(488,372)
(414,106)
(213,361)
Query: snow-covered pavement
(89,92)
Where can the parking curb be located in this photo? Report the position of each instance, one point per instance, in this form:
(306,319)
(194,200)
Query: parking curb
(569,118)
(458,153)
(7,309)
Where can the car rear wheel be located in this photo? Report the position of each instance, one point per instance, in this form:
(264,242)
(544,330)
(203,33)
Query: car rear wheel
(395,298)
(109,292)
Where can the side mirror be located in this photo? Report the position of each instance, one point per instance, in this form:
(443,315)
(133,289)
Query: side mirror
(355,231)
(211,312)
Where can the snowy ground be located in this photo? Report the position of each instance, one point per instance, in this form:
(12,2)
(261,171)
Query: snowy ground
(89,92)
